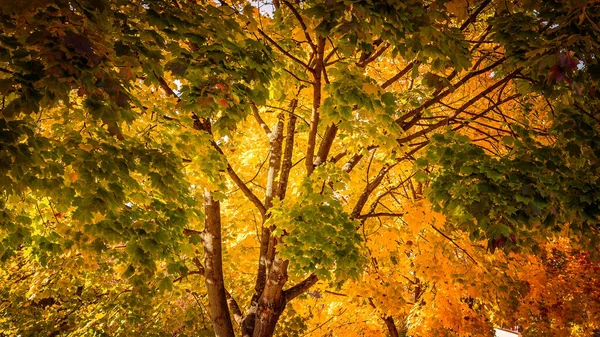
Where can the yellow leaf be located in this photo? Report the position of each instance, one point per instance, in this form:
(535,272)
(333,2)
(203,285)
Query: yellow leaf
(298,34)
(370,88)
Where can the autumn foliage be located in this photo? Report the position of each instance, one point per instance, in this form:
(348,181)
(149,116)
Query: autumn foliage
(299,168)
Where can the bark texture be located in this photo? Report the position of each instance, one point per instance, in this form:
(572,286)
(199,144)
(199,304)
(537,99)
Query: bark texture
(213,269)
(272,301)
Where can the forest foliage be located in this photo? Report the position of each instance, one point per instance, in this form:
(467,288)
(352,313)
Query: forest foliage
(299,168)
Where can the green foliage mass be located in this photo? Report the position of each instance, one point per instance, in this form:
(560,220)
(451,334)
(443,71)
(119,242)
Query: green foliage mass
(318,234)
(528,193)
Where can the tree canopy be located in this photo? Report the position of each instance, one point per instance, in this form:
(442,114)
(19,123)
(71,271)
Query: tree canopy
(299,168)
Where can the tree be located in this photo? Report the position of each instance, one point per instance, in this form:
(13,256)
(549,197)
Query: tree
(167,163)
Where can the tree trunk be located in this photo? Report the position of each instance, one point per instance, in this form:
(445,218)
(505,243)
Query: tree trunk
(391,326)
(213,269)
(272,301)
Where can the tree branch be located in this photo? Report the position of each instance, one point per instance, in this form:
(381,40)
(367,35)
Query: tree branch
(235,308)
(325,145)
(240,183)
(286,165)
(455,244)
(6,71)
(373,56)
(375,215)
(400,74)
(314,120)
(285,52)
(439,94)
(460,109)
(475,14)
(296,77)
(364,196)
(165,86)
(300,288)
(204,124)
(259,119)
(275,161)
(302,24)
